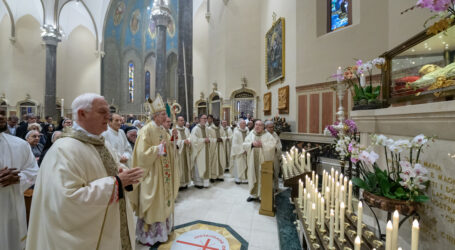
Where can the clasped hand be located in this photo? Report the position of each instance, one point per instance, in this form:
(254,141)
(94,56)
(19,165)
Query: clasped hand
(130,176)
(9,176)
(257,144)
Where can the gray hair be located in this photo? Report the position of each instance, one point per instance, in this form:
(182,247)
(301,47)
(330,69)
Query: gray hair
(34,125)
(131,130)
(267,123)
(240,120)
(30,133)
(136,122)
(83,102)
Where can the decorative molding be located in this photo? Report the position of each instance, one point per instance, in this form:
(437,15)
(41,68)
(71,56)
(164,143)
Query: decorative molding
(430,119)
(11,18)
(318,138)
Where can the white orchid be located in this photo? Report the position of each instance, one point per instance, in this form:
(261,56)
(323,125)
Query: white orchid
(419,141)
(378,61)
(413,177)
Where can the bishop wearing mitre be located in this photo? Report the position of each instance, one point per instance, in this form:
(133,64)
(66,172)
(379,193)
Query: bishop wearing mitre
(153,199)
(218,161)
(238,153)
(201,151)
(79,200)
(228,143)
(183,157)
(260,147)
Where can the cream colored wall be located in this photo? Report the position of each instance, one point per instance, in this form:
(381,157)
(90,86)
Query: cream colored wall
(22,63)
(286,9)
(227,47)
(230,45)
(78,66)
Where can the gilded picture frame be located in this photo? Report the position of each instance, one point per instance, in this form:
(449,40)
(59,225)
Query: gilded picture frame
(267,103)
(283,100)
(275,52)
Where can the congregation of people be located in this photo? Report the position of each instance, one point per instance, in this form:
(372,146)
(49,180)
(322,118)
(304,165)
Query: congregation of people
(102,181)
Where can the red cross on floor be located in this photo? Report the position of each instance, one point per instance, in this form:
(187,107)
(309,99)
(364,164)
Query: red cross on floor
(204,247)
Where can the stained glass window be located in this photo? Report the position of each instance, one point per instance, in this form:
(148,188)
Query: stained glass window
(147,85)
(131,82)
(339,14)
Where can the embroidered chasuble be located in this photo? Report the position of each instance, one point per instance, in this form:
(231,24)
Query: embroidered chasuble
(256,156)
(73,205)
(200,152)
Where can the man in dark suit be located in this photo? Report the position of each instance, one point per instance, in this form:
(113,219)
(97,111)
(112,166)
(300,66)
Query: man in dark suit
(12,124)
(22,129)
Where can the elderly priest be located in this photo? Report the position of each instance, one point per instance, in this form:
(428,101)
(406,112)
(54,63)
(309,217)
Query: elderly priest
(153,199)
(79,200)
(18,170)
(260,147)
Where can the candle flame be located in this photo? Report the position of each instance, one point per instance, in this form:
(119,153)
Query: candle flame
(396,214)
(342,205)
(360,204)
(357,240)
(415,224)
(389,225)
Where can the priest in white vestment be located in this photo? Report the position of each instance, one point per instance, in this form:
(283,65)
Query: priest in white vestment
(228,143)
(269,126)
(260,147)
(18,171)
(183,157)
(79,200)
(153,199)
(218,160)
(200,153)
(239,154)
(117,138)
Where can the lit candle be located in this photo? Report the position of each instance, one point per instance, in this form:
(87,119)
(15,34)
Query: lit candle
(362,80)
(313,219)
(312,175)
(415,235)
(350,198)
(302,164)
(318,204)
(341,179)
(342,221)
(62,110)
(307,208)
(342,196)
(337,208)
(316,183)
(331,229)
(332,171)
(388,236)
(304,199)
(357,243)
(327,198)
(395,222)
(300,190)
(322,217)
(332,199)
(345,184)
(359,219)
(339,74)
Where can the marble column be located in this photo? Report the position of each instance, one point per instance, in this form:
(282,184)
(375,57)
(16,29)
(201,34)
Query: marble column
(51,36)
(185,63)
(161,15)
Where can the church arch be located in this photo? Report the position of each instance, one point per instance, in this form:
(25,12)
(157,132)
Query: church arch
(243,101)
(11,17)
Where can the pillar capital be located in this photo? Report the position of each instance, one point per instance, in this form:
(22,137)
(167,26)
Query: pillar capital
(161,13)
(51,35)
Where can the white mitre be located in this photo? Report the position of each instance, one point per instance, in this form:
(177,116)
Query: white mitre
(157,105)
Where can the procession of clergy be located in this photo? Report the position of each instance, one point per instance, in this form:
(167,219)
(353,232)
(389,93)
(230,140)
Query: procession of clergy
(92,184)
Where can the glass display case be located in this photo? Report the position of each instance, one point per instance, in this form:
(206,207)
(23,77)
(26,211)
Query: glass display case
(422,69)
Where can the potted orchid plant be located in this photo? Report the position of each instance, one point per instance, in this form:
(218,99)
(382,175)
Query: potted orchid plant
(403,181)
(365,95)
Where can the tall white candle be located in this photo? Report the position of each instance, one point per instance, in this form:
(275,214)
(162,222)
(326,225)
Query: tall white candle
(388,236)
(313,219)
(304,199)
(337,208)
(345,184)
(342,221)
(359,219)
(350,198)
(308,202)
(300,189)
(318,204)
(357,243)
(342,195)
(322,214)
(362,80)
(327,198)
(395,223)
(332,229)
(339,74)
(332,199)
(312,175)
(62,110)
(415,235)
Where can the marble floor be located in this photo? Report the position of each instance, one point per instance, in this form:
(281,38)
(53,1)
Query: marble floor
(225,203)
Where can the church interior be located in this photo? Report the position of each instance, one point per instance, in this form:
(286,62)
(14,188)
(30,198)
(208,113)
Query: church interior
(360,95)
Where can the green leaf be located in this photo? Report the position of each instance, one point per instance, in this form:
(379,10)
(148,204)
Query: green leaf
(360,183)
(400,193)
(421,198)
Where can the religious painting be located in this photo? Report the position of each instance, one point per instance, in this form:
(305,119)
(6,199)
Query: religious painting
(283,100)
(118,15)
(267,103)
(152,29)
(171,28)
(275,52)
(339,14)
(135,21)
